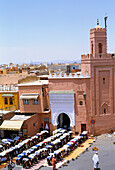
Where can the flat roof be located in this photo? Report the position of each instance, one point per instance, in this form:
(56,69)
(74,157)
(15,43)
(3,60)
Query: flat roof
(8,91)
(43,76)
(20,117)
(34,83)
(2,112)
(77,75)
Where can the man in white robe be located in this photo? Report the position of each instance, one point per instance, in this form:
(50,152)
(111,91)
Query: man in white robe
(95,160)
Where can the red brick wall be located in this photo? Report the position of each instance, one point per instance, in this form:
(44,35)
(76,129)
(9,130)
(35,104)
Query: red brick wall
(104,124)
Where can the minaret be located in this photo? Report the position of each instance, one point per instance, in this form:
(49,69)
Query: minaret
(98,45)
(98,48)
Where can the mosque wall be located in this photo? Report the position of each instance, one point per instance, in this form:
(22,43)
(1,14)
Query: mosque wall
(81,88)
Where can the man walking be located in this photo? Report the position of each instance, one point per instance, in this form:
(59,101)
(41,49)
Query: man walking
(95,160)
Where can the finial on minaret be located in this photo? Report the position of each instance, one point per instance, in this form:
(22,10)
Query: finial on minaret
(97,21)
(105,22)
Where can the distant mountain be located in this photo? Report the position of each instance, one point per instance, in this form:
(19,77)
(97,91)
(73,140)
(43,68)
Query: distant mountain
(66,61)
(57,61)
(53,62)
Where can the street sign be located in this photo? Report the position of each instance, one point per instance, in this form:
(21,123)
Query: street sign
(92,121)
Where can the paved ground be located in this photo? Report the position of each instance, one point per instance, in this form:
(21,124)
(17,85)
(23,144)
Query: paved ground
(80,149)
(15,168)
(106,151)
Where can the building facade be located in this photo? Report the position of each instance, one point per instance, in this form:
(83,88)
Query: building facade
(8,97)
(34,99)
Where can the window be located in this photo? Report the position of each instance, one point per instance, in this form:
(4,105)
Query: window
(34,124)
(104,111)
(35,101)
(80,103)
(11,101)
(46,119)
(26,101)
(100,47)
(83,127)
(103,80)
(92,49)
(6,101)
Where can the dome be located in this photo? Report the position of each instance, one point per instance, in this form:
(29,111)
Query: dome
(97,27)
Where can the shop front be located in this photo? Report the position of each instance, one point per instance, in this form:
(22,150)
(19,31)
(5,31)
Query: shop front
(11,128)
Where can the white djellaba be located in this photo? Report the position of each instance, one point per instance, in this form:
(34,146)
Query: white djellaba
(95,160)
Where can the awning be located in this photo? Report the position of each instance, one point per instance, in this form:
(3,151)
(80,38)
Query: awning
(7,95)
(29,96)
(12,125)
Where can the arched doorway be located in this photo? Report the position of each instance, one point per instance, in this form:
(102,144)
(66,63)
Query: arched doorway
(63,121)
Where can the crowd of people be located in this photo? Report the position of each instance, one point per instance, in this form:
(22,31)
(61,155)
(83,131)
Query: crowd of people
(69,144)
(40,146)
(13,148)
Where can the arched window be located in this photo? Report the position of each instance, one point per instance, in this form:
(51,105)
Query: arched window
(92,49)
(6,100)
(100,47)
(80,103)
(11,101)
(103,80)
(104,111)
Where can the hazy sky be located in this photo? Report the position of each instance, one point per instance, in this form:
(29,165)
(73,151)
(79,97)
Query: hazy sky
(49,30)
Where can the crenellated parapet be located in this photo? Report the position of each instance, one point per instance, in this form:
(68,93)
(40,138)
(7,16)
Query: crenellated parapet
(103,56)
(68,75)
(97,56)
(97,30)
(87,56)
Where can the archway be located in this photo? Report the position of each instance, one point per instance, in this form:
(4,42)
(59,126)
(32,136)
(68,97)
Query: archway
(63,121)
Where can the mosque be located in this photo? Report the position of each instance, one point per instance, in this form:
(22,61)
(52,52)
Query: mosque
(79,101)
(86,100)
